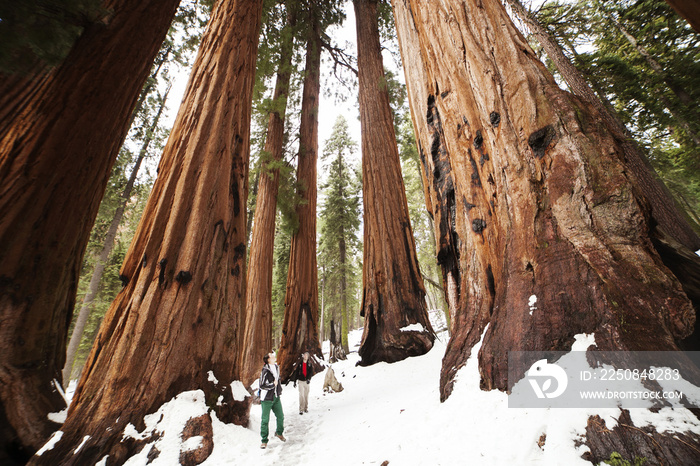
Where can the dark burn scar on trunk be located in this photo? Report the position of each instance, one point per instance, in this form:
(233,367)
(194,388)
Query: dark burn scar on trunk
(490,281)
(124,279)
(478,225)
(540,140)
(239,252)
(495,119)
(161,277)
(184,277)
(467,205)
(478,140)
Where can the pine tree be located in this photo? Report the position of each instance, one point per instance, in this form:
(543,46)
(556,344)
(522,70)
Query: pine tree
(340,222)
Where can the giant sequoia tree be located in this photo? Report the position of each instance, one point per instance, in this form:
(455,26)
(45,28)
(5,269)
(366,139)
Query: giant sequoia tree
(663,207)
(179,314)
(57,148)
(300,327)
(530,197)
(257,337)
(393,294)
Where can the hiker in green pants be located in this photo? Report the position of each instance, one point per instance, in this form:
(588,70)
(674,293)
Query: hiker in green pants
(270,391)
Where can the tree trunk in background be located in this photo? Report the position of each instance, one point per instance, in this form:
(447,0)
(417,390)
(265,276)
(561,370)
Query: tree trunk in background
(393,291)
(688,9)
(56,155)
(107,247)
(344,321)
(257,336)
(178,317)
(530,197)
(665,210)
(300,328)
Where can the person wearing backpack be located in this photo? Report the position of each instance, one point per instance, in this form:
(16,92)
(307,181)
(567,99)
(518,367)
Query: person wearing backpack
(302,374)
(270,391)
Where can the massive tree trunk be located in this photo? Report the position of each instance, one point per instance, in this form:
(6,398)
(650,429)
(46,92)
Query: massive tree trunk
(688,9)
(300,328)
(56,154)
(665,210)
(107,247)
(530,197)
(257,336)
(393,294)
(178,317)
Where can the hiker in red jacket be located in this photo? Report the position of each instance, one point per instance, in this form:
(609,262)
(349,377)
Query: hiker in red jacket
(302,374)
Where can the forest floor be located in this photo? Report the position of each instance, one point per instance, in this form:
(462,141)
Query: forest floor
(392,412)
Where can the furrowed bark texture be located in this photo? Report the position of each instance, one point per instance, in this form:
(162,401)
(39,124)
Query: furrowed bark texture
(300,327)
(632,442)
(107,247)
(664,210)
(257,336)
(57,148)
(179,314)
(393,291)
(530,197)
(689,9)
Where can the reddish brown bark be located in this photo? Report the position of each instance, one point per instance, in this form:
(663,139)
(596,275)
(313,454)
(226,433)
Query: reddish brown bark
(178,316)
(664,209)
(257,336)
(300,327)
(393,290)
(57,148)
(689,9)
(632,443)
(530,197)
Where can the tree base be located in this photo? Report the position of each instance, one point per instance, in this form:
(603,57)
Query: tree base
(633,443)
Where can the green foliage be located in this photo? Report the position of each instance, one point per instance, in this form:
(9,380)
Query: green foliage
(340,249)
(616,459)
(283,241)
(659,108)
(42,31)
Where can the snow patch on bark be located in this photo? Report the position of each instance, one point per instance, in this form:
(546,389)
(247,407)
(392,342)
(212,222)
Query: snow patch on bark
(531,303)
(413,328)
(192,443)
(58,387)
(238,390)
(51,443)
(85,439)
(212,377)
(167,425)
(59,417)
(583,341)
(668,419)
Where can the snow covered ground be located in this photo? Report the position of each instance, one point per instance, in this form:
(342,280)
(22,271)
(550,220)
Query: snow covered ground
(392,412)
